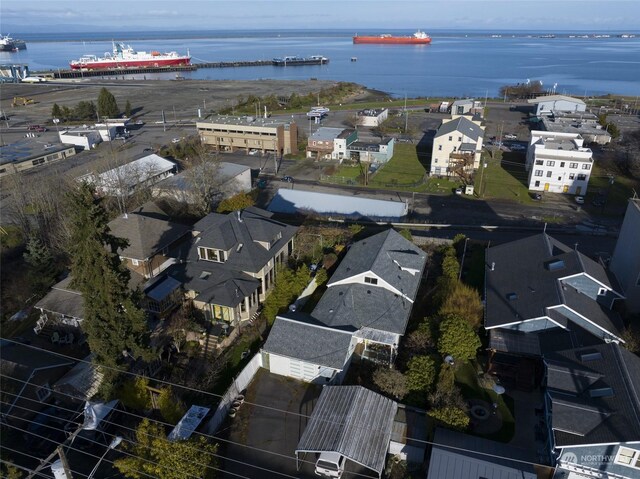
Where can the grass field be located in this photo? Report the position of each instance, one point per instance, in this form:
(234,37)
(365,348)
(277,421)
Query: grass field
(504,177)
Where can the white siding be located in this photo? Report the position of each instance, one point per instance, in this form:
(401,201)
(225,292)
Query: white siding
(297,369)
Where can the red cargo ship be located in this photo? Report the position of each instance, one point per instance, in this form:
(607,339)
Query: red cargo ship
(124,56)
(418,38)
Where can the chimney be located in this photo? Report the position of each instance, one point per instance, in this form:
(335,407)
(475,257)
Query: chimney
(493,265)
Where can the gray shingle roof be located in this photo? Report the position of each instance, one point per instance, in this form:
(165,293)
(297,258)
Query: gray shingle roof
(462,125)
(351,421)
(62,299)
(599,403)
(307,341)
(228,232)
(453,463)
(146,235)
(522,284)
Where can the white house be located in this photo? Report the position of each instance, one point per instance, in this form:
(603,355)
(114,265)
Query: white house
(548,104)
(558,162)
(84,138)
(124,179)
(372,117)
(457,144)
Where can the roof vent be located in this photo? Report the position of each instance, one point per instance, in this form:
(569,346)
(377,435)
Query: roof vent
(512,296)
(240,245)
(555,265)
(601,393)
(493,265)
(594,356)
(205,274)
(293,307)
(239,217)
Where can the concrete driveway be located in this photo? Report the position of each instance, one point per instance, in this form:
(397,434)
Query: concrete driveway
(265,438)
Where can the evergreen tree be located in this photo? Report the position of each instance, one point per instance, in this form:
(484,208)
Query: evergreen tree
(56,111)
(113,322)
(107,106)
(457,338)
(42,271)
(127,109)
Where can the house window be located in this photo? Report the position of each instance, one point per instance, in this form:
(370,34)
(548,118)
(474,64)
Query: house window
(210,254)
(43,393)
(549,173)
(586,166)
(370,280)
(451,138)
(573,165)
(582,177)
(562,164)
(538,172)
(537,184)
(551,163)
(454,149)
(572,176)
(602,291)
(459,138)
(628,457)
(439,147)
(539,162)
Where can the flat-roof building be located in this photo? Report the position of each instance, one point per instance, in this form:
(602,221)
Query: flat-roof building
(372,117)
(26,154)
(581,123)
(81,137)
(265,135)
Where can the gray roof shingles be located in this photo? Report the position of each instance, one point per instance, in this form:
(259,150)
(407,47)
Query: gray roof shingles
(578,418)
(62,299)
(462,125)
(304,340)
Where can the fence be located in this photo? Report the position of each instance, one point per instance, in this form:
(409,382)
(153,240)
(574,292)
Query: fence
(238,385)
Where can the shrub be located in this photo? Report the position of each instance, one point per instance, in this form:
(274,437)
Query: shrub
(421,373)
(463,300)
(458,338)
(391,382)
(451,417)
(134,394)
(171,409)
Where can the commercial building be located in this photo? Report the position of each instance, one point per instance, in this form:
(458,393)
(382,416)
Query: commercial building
(467,106)
(583,123)
(264,135)
(547,104)
(372,117)
(86,139)
(457,146)
(30,153)
(625,262)
(558,163)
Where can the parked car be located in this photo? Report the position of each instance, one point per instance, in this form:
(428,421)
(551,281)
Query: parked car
(458,191)
(510,136)
(288,179)
(579,200)
(146,150)
(253,151)
(175,140)
(536,196)
(139,122)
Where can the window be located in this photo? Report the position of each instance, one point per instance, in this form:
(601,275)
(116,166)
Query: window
(573,165)
(439,147)
(602,291)
(572,176)
(551,163)
(549,173)
(454,149)
(539,172)
(537,184)
(582,177)
(586,166)
(450,138)
(211,254)
(459,138)
(539,162)
(44,392)
(628,457)
(369,280)
(562,164)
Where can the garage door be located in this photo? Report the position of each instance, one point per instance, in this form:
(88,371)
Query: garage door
(302,370)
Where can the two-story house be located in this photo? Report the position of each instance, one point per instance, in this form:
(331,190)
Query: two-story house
(364,310)
(457,145)
(558,162)
(330,143)
(231,262)
(593,408)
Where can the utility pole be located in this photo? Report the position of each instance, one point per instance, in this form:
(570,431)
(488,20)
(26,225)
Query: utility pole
(406,117)
(65,463)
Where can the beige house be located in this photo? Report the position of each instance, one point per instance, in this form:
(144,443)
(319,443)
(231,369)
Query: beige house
(231,262)
(457,146)
(249,134)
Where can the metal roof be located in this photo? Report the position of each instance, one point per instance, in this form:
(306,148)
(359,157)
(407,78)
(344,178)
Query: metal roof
(189,423)
(326,133)
(352,421)
(28,149)
(294,201)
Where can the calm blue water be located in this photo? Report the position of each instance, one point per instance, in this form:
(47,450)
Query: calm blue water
(454,64)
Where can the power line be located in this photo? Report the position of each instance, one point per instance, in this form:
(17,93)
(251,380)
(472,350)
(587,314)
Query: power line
(30,470)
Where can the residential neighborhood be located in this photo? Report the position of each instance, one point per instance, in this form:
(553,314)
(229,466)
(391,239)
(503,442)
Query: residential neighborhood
(305,277)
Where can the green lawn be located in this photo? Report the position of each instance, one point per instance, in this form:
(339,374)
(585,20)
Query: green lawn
(467,381)
(403,170)
(348,171)
(617,194)
(503,179)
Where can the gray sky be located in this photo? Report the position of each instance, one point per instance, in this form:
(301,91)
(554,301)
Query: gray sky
(32,15)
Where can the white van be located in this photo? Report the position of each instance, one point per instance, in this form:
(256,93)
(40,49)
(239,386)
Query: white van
(330,464)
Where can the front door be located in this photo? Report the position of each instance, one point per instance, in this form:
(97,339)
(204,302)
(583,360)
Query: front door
(565,188)
(546,187)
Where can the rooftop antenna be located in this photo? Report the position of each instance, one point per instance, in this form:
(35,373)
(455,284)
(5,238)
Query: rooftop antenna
(493,265)
(575,246)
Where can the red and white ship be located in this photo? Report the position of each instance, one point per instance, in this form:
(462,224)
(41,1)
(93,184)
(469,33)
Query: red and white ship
(124,56)
(418,38)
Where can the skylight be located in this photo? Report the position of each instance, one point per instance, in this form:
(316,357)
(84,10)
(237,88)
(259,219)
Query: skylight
(590,356)
(601,393)
(555,265)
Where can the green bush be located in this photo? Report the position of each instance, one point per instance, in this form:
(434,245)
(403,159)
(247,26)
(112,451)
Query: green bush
(451,417)
(134,394)
(171,409)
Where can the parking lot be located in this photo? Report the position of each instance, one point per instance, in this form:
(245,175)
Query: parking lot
(263,437)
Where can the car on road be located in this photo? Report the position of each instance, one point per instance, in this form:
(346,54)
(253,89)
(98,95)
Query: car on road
(458,191)
(253,151)
(287,178)
(579,200)
(510,136)
(175,140)
(146,150)
(139,122)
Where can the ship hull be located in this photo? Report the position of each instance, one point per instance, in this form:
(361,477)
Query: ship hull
(109,64)
(393,40)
